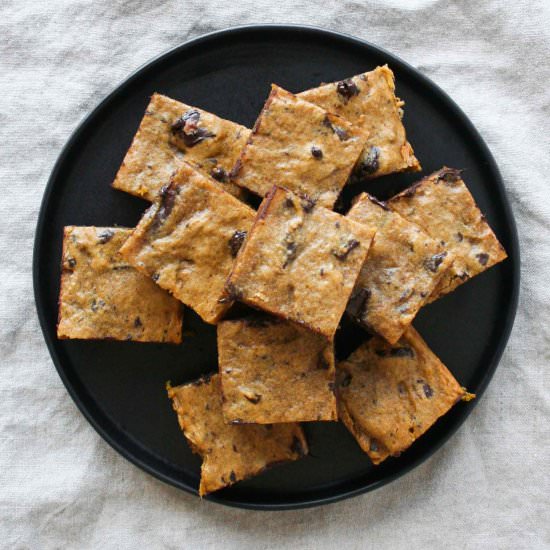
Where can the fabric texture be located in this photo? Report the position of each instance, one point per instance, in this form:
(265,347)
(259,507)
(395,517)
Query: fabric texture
(62,486)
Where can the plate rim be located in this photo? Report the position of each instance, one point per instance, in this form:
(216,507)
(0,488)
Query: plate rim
(395,61)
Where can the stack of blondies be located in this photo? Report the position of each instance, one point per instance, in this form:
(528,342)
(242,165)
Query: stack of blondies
(296,263)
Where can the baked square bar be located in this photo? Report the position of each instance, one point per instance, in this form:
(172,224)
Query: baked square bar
(187,241)
(230,453)
(297,145)
(103,297)
(368,101)
(388,396)
(274,371)
(403,266)
(300,261)
(171,131)
(442,205)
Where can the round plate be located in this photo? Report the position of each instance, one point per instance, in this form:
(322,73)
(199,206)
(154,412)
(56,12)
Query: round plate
(120,386)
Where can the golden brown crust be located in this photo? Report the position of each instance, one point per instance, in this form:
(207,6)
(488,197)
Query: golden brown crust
(442,205)
(103,297)
(298,145)
(230,452)
(273,371)
(368,101)
(186,241)
(403,267)
(159,147)
(388,396)
(300,261)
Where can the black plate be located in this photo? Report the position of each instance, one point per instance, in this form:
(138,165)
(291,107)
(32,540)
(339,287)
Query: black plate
(119,387)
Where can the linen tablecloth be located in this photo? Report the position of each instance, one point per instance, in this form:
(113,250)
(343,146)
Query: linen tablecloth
(62,486)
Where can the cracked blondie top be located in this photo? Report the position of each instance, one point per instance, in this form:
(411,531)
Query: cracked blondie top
(230,453)
(403,267)
(368,101)
(187,241)
(171,132)
(442,205)
(103,297)
(300,261)
(389,395)
(274,371)
(297,145)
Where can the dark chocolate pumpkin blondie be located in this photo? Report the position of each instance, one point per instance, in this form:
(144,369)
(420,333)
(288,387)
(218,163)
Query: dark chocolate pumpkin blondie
(187,241)
(230,453)
(368,101)
(389,395)
(103,297)
(300,261)
(274,371)
(442,205)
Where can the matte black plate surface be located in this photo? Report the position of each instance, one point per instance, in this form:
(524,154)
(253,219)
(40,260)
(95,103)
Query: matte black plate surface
(120,387)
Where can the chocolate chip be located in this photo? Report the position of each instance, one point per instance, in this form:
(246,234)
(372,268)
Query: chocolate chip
(395,352)
(291,249)
(316,152)
(137,322)
(347,89)
(459,237)
(358,303)
(232,477)
(433,263)
(256,398)
(187,127)
(428,392)
(482,258)
(71,262)
(370,163)
(297,447)
(105,236)
(373,447)
(236,241)
(167,200)
(340,132)
(346,380)
(235,448)
(307,204)
(343,253)
(155,277)
(289,203)
(219,174)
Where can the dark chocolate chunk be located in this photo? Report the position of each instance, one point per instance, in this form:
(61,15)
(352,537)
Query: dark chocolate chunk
(105,236)
(343,253)
(235,448)
(370,163)
(395,352)
(187,127)
(482,258)
(434,261)
(459,237)
(155,277)
(256,398)
(316,152)
(167,200)
(236,241)
(71,262)
(137,322)
(428,392)
(232,477)
(358,303)
(219,174)
(347,89)
(289,203)
(340,132)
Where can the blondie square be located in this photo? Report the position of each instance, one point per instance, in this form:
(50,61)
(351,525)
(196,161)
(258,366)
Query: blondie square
(230,453)
(442,205)
(368,101)
(187,241)
(103,297)
(297,145)
(402,268)
(300,261)
(171,131)
(274,371)
(389,395)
